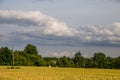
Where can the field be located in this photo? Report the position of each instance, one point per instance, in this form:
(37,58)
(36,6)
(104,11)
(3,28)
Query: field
(45,73)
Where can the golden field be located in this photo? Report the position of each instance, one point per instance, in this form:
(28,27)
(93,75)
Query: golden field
(54,73)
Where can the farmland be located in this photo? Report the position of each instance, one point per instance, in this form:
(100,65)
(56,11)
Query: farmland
(55,73)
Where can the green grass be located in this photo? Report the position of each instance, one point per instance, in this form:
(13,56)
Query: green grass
(45,73)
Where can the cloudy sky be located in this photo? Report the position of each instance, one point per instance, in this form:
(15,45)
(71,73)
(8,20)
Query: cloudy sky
(62,27)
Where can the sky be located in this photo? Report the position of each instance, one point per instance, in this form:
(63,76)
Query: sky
(61,27)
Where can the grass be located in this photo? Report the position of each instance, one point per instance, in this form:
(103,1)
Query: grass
(45,73)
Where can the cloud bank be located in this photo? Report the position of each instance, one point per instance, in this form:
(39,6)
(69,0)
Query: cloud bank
(24,26)
(48,24)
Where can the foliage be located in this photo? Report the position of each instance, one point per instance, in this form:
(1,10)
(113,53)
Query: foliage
(99,59)
(5,56)
(30,57)
(31,49)
(64,62)
(22,58)
(79,60)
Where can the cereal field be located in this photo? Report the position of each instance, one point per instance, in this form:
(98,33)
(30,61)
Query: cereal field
(45,73)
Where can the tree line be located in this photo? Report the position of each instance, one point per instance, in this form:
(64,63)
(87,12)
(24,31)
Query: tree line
(30,57)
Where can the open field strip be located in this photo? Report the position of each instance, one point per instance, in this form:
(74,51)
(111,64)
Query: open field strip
(45,73)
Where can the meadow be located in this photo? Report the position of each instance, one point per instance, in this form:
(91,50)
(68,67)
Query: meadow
(55,73)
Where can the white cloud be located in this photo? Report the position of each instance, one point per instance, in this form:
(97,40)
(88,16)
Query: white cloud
(59,54)
(31,25)
(100,33)
(47,24)
(116,28)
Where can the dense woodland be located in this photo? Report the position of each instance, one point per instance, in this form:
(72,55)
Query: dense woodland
(30,57)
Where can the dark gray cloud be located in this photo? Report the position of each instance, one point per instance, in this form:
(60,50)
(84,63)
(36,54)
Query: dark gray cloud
(23,22)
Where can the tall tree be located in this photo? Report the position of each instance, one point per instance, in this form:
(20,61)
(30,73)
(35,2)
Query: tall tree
(5,56)
(31,49)
(99,60)
(79,60)
(22,59)
(88,63)
(108,63)
(116,62)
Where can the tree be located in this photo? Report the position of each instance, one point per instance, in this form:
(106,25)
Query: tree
(65,62)
(22,59)
(88,63)
(79,60)
(108,63)
(37,60)
(99,60)
(51,61)
(31,49)
(116,62)
(5,56)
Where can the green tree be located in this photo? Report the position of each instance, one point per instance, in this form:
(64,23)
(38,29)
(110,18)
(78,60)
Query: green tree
(37,60)
(22,59)
(51,61)
(99,60)
(5,56)
(79,60)
(64,62)
(116,62)
(88,63)
(108,63)
(31,49)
